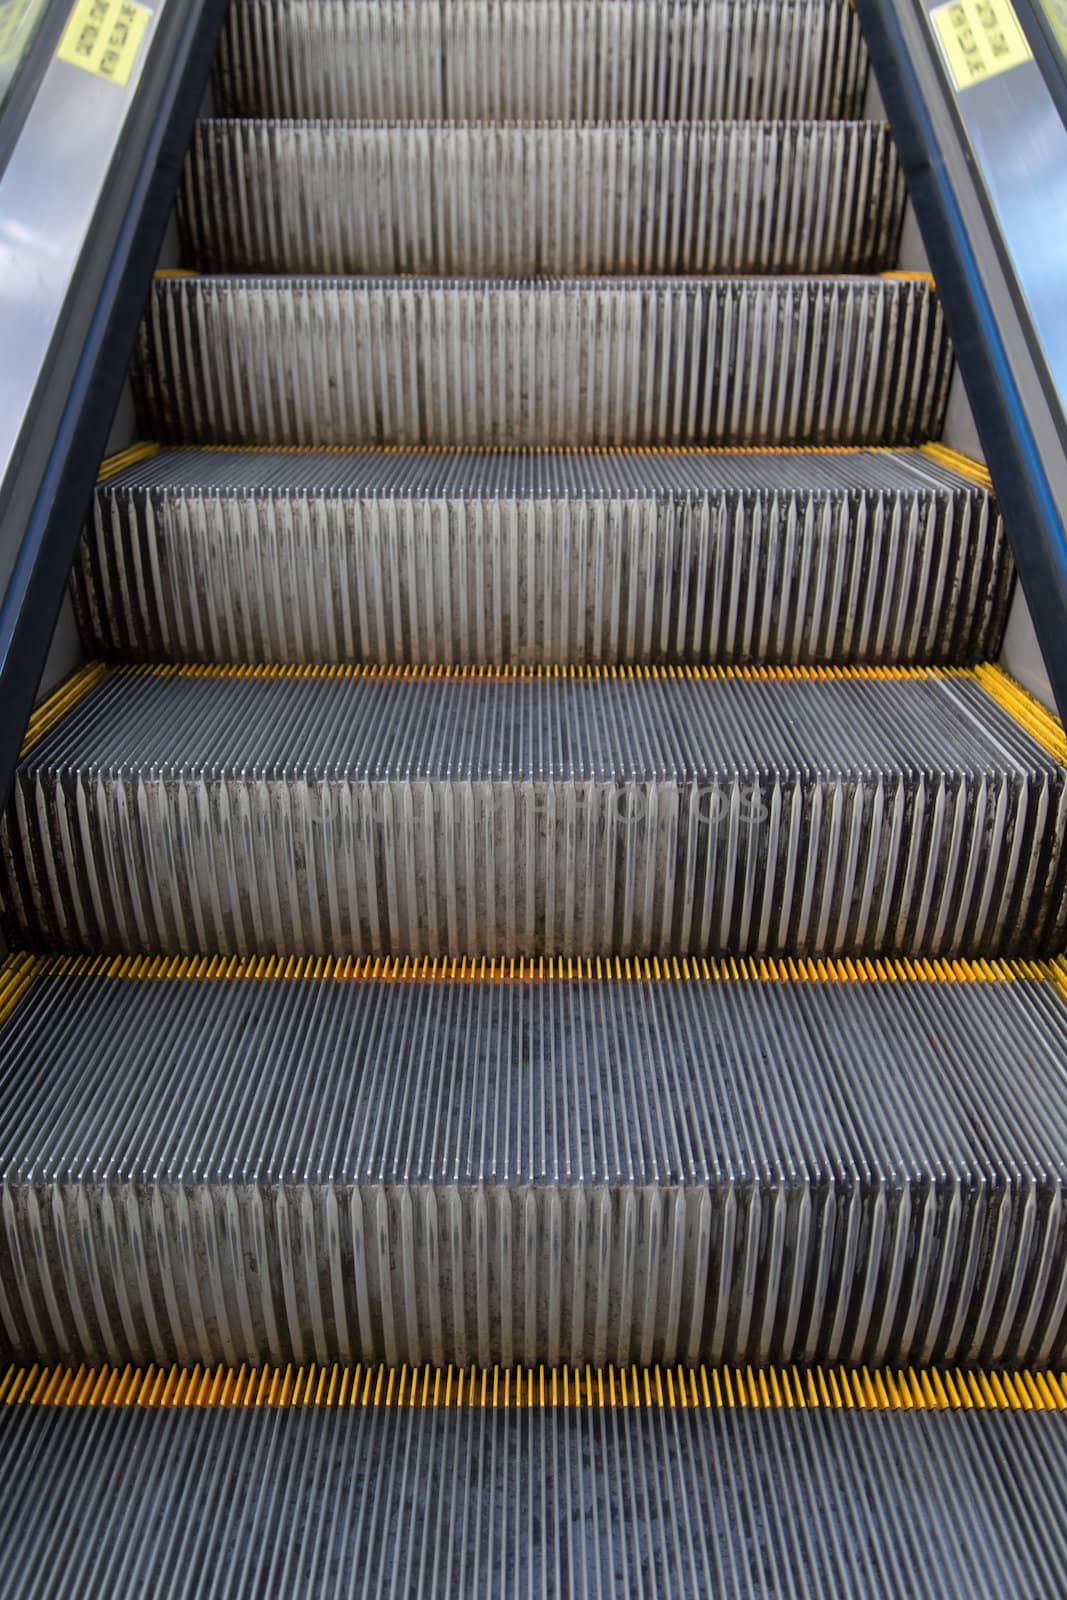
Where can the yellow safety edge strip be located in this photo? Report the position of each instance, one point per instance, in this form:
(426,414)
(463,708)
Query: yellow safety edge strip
(906,275)
(18,971)
(496,1388)
(1039,723)
(62,700)
(126,458)
(951,460)
(955,461)
(16,974)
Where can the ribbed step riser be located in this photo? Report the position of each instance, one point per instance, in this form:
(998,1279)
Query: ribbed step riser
(576,61)
(561,1171)
(191,574)
(493,201)
(575,362)
(408,1273)
(359,815)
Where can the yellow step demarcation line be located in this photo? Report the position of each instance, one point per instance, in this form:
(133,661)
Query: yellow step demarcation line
(1028,712)
(896,274)
(17,972)
(504,673)
(634,450)
(513,1388)
(952,460)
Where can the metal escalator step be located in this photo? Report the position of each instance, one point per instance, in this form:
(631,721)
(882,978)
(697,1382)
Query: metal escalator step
(392,1161)
(340,1483)
(328,361)
(587,811)
(510,201)
(493,556)
(542,60)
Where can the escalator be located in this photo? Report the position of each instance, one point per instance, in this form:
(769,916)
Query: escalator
(533,1043)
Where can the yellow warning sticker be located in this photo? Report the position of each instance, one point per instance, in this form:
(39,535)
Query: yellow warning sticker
(103,36)
(980,38)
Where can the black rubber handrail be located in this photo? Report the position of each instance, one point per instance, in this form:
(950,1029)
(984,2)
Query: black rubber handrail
(90,363)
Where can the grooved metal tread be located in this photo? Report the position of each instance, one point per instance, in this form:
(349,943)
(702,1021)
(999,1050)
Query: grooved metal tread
(627,1168)
(479,556)
(597,811)
(327,361)
(506,200)
(593,1499)
(559,60)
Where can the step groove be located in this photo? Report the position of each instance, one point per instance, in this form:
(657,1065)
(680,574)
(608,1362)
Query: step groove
(483,557)
(364,812)
(605,1170)
(327,361)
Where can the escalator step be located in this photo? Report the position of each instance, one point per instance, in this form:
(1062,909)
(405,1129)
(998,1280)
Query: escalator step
(510,201)
(327,361)
(958,1492)
(492,556)
(269,1160)
(360,810)
(541,60)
